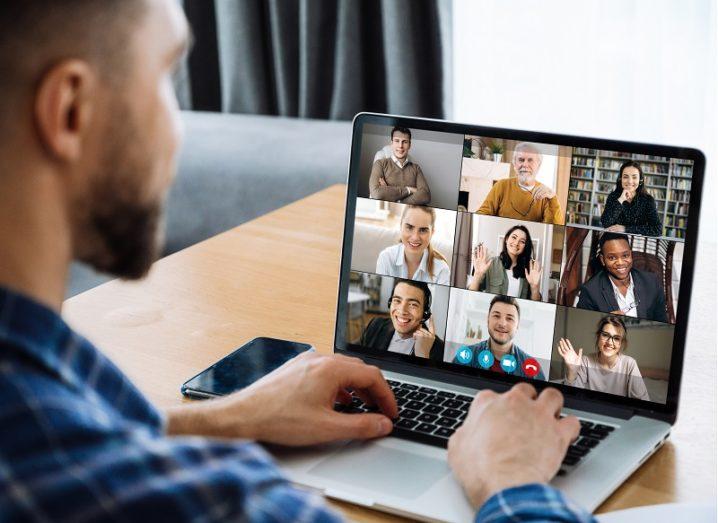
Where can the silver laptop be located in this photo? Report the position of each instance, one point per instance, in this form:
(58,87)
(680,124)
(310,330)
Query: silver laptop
(479,257)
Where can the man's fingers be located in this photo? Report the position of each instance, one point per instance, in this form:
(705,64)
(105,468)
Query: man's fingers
(552,400)
(524,389)
(430,325)
(358,426)
(483,397)
(569,428)
(370,380)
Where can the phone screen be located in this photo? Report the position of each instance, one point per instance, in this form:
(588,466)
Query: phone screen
(244,366)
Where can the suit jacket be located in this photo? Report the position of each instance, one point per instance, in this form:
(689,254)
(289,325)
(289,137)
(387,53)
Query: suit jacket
(379,332)
(597,295)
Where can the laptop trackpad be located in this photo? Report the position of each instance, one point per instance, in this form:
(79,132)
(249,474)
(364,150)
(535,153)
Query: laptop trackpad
(375,467)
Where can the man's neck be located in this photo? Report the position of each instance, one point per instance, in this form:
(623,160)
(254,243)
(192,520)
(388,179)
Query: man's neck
(402,161)
(622,284)
(34,239)
(500,349)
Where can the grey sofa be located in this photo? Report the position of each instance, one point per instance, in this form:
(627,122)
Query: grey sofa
(233,168)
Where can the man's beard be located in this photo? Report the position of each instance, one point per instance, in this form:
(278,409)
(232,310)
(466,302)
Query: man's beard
(498,342)
(120,229)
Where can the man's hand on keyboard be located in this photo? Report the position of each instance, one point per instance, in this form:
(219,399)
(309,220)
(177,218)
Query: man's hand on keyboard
(510,439)
(294,405)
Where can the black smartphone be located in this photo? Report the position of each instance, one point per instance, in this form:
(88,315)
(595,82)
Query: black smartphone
(243,367)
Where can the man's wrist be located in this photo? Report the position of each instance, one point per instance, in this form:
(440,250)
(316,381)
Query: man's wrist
(208,418)
(492,486)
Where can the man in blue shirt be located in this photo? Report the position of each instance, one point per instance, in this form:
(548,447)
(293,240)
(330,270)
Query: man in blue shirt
(499,353)
(88,137)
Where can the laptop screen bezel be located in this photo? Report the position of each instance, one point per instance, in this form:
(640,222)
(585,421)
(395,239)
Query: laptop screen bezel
(478,378)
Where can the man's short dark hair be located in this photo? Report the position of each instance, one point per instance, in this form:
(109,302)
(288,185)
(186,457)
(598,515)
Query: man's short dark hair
(419,285)
(402,130)
(35,34)
(507,300)
(610,236)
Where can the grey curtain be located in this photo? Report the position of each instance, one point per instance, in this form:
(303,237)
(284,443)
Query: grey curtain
(318,58)
(461,261)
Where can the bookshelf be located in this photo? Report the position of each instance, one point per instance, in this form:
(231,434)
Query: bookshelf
(593,177)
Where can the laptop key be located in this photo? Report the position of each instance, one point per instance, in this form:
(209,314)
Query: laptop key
(428,390)
(446,422)
(426,428)
(392,383)
(452,413)
(606,428)
(453,404)
(401,401)
(434,400)
(401,393)
(577,451)
(415,405)
(444,432)
(406,423)
(446,394)
(594,434)
(409,413)
(467,399)
(587,442)
(571,460)
(585,424)
(433,409)
(409,386)
(427,418)
(416,396)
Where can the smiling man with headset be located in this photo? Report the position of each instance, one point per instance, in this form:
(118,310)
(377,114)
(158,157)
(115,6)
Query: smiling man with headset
(409,328)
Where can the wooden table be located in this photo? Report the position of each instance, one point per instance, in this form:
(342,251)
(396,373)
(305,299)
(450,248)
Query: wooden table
(277,276)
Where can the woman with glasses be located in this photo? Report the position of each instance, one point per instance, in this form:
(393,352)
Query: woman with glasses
(608,369)
(513,272)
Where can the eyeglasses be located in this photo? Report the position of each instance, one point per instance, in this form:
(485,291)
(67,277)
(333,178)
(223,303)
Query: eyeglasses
(524,214)
(605,336)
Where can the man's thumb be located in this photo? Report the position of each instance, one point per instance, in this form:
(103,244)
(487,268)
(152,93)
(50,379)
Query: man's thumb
(361,426)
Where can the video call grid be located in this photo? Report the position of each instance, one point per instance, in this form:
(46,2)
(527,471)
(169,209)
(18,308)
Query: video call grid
(458,213)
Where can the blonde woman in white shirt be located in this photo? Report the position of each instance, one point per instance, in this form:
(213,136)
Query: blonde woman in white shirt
(414,257)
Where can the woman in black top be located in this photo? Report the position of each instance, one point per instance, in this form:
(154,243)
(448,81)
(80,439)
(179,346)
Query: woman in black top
(629,208)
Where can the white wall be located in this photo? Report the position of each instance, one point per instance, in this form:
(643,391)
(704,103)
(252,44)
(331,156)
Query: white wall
(642,70)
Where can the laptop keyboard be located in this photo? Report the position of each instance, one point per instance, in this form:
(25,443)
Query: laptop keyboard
(431,416)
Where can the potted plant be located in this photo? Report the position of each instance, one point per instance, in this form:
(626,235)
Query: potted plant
(497,149)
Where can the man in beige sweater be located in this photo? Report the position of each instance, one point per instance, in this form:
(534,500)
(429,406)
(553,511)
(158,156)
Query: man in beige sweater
(397,179)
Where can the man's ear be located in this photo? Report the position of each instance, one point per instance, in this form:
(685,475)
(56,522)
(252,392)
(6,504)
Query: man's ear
(63,107)
(600,258)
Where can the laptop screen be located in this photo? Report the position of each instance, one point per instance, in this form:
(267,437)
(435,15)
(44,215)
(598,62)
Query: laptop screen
(509,256)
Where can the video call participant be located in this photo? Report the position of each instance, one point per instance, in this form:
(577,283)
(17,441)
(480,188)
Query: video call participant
(414,257)
(502,323)
(608,369)
(522,197)
(621,289)
(397,179)
(513,272)
(409,329)
(629,208)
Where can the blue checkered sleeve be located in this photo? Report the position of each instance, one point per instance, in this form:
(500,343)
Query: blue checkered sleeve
(535,503)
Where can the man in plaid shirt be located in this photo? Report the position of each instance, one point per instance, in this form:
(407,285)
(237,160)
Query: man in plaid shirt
(88,136)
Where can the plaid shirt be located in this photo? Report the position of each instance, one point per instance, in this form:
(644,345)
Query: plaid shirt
(80,443)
